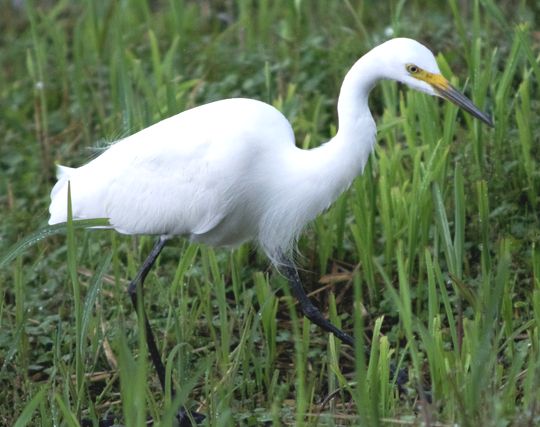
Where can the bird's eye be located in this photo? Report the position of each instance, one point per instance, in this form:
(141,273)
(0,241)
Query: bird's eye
(413,69)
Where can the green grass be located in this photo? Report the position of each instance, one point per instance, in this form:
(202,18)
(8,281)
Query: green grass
(438,243)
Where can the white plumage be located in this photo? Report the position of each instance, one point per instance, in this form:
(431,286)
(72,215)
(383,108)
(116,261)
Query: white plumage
(229,171)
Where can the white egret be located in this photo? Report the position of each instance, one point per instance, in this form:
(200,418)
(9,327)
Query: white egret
(229,171)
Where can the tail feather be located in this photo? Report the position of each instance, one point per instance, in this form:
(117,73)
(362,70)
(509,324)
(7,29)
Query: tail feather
(62,174)
(57,208)
(62,171)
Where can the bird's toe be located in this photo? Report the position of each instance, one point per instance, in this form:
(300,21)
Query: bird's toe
(184,418)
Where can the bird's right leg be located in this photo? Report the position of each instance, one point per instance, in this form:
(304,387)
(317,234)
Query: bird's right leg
(135,291)
(288,269)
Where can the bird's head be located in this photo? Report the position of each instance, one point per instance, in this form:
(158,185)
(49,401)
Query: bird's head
(413,64)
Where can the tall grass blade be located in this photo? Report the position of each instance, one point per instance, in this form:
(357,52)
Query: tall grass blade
(27,242)
(26,415)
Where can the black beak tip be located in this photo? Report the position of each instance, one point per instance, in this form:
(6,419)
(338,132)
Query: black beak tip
(488,120)
(451,94)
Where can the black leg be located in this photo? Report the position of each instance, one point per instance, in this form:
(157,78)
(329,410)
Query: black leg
(310,311)
(288,269)
(135,290)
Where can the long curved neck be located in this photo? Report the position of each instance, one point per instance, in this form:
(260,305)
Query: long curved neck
(313,179)
(352,105)
(344,157)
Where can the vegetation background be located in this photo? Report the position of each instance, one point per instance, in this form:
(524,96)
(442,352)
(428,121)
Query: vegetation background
(432,257)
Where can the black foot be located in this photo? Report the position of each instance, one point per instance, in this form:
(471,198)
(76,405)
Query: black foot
(402,378)
(183,418)
(104,422)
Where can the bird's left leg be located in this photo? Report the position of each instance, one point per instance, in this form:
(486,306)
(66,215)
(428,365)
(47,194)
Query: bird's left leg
(308,308)
(135,290)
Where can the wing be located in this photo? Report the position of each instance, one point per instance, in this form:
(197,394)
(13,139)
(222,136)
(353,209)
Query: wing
(183,175)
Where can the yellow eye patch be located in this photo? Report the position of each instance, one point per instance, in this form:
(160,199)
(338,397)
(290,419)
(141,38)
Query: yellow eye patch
(435,80)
